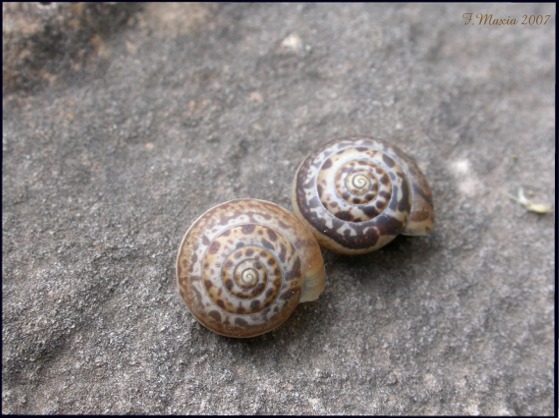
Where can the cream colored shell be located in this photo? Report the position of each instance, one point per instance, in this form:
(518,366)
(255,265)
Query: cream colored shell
(244,265)
(358,193)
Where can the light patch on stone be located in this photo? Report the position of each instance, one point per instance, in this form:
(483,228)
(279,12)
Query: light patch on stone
(293,43)
(468,183)
(472,409)
(175,19)
(460,166)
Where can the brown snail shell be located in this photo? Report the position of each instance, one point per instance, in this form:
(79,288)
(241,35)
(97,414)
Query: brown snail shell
(358,193)
(244,265)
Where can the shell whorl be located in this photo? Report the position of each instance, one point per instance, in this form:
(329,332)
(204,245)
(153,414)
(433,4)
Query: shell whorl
(244,265)
(357,194)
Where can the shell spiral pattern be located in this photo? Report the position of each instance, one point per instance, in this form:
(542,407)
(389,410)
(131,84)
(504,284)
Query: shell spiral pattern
(358,193)
(244,265)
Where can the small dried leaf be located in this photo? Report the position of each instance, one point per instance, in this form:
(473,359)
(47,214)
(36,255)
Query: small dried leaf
(539,208)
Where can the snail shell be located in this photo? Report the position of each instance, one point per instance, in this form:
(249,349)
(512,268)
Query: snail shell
(244,265)
(358,193)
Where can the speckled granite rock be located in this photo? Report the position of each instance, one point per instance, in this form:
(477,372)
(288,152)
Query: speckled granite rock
(190,105)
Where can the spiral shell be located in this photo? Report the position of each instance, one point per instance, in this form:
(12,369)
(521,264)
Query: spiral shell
(358,193)
(244,265)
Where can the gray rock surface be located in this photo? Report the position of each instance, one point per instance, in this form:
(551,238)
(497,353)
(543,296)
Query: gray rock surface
(106,165)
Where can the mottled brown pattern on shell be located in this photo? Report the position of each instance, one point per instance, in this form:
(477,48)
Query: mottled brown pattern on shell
(244,265)
(371,219)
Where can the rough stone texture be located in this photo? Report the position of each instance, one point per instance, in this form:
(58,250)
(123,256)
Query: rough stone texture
(42,41)
(105,167)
